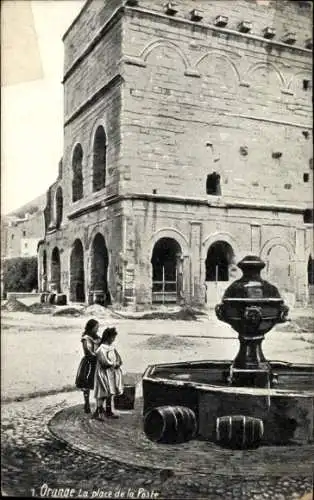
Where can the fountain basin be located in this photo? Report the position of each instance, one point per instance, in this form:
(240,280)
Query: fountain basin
(286,411)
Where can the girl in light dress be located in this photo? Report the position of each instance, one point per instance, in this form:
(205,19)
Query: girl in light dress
(86,370)
(108,375)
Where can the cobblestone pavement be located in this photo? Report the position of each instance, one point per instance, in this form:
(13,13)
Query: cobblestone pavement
(35,464)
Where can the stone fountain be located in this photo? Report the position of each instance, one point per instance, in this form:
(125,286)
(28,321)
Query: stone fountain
(241,403)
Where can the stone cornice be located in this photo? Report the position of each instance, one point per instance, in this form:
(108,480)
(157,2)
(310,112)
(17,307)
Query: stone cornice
(116,80)
(209,201)
(117,14)
(223,31)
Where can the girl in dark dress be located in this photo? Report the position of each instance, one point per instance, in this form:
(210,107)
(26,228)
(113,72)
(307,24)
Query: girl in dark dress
(86,370)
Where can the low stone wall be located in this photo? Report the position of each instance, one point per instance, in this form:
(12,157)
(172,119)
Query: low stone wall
(24,295)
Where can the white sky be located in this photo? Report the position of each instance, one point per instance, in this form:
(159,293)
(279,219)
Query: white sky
(32,111)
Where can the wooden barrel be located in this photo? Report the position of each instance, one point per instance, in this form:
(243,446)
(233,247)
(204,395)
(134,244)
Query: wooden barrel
(170,424)
(61,299)
(239,431)
(51,298)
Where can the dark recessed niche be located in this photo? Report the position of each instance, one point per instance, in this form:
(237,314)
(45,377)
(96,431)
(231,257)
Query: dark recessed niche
(154,191)
(306,177)
(306,84)
(308,216)
(243,150)
(287,186)
(311,163)
(213,184)
(306,133)
(276,154)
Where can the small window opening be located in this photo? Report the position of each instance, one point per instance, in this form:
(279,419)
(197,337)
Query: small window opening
(308,216)
(24,233)
(213,184)
(306,177)
(12,237)
(306,84)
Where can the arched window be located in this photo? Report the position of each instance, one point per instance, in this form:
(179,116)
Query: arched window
(77,276)
(77,182)
(165,261)
(59,207)
(55,270)
(99,271)
(220,256)
(99,159)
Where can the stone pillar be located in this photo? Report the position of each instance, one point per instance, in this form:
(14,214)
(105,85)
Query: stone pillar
(130,267)
(197,288)
(255,239)
(186,278)
(39,269)
(65,272)
(300,268)
(179,267)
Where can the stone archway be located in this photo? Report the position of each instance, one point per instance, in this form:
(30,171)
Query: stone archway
(55,282)
(77,275)
(59,207)
(219,260)
(99,291)
(278,267)
(166,271)
(278,256)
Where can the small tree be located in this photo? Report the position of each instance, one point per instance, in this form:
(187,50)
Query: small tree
(20,274)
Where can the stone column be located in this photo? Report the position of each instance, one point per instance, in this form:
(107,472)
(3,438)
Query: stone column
(255,239)
(186,278)
(39,269)
(197,293)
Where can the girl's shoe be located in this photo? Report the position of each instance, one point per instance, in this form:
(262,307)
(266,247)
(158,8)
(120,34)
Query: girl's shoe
(110,414)
(98,414)
(87,408)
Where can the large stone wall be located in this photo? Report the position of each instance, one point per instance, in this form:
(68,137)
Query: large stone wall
(105,112)
(198,100)
(108,223)
(197,227)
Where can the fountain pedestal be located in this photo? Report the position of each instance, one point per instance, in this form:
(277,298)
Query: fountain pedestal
(252,307)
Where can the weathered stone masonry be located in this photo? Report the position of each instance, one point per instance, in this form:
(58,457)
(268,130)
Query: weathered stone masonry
(206,149)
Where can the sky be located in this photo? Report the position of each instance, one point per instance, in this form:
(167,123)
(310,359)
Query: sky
(31,96)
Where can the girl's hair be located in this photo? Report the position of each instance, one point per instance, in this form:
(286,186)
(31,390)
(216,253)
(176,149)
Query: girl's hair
(90,325)
(108,334)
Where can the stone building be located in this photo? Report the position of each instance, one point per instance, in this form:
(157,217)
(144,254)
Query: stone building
(187,143)
(22,230)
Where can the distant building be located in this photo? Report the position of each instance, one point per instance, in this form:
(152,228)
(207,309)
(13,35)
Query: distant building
(187,144)
(22,230)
